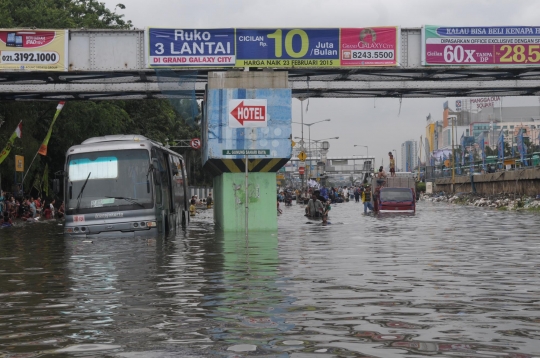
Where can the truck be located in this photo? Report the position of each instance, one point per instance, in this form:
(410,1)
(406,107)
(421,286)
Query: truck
(394,195)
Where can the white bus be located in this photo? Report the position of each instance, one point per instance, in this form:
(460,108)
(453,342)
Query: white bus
(124,185)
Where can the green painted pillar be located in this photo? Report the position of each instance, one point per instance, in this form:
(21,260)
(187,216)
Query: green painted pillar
(229,201)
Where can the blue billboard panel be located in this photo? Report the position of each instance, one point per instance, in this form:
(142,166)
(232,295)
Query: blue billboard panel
(219,135)
(287,47)
(190,47)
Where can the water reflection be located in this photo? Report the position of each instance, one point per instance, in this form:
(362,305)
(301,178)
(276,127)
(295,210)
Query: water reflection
(448,281)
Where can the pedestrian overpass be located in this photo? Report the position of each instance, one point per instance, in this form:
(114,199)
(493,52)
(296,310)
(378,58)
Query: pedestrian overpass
(110,64)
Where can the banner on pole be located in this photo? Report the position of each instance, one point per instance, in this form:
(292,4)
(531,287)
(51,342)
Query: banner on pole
(16,134)
(43,149)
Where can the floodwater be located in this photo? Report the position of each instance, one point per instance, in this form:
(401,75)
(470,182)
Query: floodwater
(449,281)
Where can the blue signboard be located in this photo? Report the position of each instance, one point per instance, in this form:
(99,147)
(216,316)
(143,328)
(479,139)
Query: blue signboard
(191,47)
(219,135)
(287,47)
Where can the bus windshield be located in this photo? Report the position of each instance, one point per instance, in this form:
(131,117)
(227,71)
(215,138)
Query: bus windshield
(396,194)
(108,181)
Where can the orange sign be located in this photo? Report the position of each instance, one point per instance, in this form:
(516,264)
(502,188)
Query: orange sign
(19,163)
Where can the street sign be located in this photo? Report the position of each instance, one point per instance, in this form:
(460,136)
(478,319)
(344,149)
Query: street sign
(247,113)
(195,143)
(301,170)
(280,176)
(19,163)
(246,151)
(302,156)
(293,143)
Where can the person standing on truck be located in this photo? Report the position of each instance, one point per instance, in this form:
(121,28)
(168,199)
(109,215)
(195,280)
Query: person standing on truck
(381,176)
(392,165)
(366,199)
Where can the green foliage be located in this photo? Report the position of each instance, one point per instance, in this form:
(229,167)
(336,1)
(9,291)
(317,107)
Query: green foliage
(420,186)
(60,14)
(155,119)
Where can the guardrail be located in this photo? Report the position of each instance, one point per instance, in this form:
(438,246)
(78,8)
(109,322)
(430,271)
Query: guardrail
(201,191)
(434,172)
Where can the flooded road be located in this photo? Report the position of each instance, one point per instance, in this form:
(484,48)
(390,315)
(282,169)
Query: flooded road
(449,281)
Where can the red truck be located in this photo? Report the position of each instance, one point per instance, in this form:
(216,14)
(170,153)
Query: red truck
(394,195)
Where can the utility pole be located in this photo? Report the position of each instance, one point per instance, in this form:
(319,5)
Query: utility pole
(453,158)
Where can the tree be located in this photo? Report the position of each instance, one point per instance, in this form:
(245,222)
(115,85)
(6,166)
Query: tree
(60,14)
(156,119)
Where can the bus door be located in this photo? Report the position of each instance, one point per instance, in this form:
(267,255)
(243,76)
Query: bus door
(162,183)
(179,188)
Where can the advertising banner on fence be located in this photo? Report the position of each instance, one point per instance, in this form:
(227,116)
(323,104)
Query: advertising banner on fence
(370,46)
(273,48)
(34,50)
(190,48)
(502,45)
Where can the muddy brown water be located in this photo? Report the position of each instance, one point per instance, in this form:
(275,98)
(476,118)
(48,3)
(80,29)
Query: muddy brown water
(448,281)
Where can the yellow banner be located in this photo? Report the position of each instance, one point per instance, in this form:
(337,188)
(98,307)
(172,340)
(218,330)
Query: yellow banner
(19,163)
(43,149)
(7,149)
(34,50)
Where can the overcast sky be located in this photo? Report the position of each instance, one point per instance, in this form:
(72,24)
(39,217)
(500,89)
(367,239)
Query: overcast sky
(377,123)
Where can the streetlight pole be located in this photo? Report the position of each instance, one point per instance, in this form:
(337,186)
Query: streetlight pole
(317,142)
(302,146)
(309,133)
(367,154)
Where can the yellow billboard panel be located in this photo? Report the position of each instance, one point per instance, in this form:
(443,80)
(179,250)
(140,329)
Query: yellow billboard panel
(19,163)
(33,50)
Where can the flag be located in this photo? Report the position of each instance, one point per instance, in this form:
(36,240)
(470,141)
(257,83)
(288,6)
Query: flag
(428,149)
(462,144)
(45,180)
(482,145)
(43,149)
(522,148)
(500,145)
(428,117)
(37,182)
(16,134)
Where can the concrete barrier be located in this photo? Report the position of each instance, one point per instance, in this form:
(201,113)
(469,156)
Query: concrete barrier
(520,181)
(200,191)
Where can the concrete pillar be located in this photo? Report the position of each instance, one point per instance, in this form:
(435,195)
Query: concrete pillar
(229,206)
(220,134)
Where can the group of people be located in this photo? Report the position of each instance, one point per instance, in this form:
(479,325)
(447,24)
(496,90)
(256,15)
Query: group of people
(195,201)
(319,205)
(27,208)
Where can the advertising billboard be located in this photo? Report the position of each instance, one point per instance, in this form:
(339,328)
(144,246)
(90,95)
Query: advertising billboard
(474,46)
(33,50)
(273,48)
